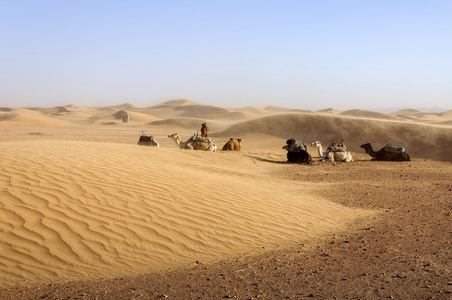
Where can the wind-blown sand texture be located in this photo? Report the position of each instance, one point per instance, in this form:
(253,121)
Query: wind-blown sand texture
(80,201)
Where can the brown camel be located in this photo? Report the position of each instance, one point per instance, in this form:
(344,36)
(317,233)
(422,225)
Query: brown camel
(386,153)
(232,145)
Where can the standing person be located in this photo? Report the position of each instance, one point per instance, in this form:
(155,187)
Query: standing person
(204,130)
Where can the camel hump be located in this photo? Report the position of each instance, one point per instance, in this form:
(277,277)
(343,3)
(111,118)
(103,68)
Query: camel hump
(200,139)
(393,149)
(336,149)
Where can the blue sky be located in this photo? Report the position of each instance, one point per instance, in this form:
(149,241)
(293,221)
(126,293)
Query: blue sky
(232,53)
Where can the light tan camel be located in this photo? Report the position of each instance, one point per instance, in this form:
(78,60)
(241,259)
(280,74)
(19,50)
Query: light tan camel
(333,153)
(194,143)
(232,145)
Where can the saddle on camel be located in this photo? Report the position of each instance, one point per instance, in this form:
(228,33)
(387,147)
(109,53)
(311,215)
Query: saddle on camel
(334,147)
(297,152)
(387,153)
(147,140)
(391,148)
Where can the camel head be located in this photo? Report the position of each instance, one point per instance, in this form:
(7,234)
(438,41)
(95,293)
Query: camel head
(366,146)
(286,147)
(316,143)
(173,136)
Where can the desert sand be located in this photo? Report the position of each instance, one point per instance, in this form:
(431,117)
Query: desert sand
(87,213)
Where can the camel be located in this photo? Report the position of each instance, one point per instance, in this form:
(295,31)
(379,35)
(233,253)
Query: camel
(297,152)
(387,153)
(232,145)
(146,140)
(333,153)
(294,145)
(194,143)
(298,157)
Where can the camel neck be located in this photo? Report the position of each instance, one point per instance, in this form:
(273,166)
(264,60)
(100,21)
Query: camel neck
(320,150)
(371,151)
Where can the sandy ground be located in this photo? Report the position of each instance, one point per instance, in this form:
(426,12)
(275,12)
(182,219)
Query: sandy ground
(86,213)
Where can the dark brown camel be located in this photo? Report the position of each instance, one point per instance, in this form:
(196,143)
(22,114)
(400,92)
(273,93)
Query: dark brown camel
(384,154)
(299,157)
(296,152)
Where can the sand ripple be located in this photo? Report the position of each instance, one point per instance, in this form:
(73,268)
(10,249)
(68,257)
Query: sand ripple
(82,210)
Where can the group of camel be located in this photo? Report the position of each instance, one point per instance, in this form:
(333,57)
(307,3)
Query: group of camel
(297,152)
(195,142)
(203,142)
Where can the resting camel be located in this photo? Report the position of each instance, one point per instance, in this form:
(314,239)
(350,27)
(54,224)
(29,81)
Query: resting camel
(301,156)
(333,153)
(194,143)
(146,140)
(232,145)
(294,145)
(296,152)
(387,153)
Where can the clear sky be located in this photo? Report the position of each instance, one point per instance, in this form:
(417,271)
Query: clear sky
(308,54)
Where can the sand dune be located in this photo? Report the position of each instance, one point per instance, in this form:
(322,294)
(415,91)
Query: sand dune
(447,115)
(179,102)
(431,117)
(127,106)
(177,123)
(407,112)
(419,116)
(284,110)
(330,110)
(204,111)
(81,200)
(366,114)
(117,118)
(250,110)
(25,117)
(420,140)
(77,210)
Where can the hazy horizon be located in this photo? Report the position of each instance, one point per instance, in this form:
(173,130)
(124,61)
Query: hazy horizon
(294,54)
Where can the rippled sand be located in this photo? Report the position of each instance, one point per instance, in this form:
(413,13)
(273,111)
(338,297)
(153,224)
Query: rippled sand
(80,200)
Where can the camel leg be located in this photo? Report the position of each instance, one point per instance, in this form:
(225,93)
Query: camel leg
(329,158)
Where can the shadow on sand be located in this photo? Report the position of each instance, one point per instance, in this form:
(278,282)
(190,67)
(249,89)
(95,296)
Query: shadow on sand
(268,160)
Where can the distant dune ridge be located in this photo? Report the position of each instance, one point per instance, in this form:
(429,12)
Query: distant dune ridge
(366,114)
(420,140)
(80,200)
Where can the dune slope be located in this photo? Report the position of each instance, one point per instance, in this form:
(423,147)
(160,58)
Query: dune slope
(80,210)
(420,140)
